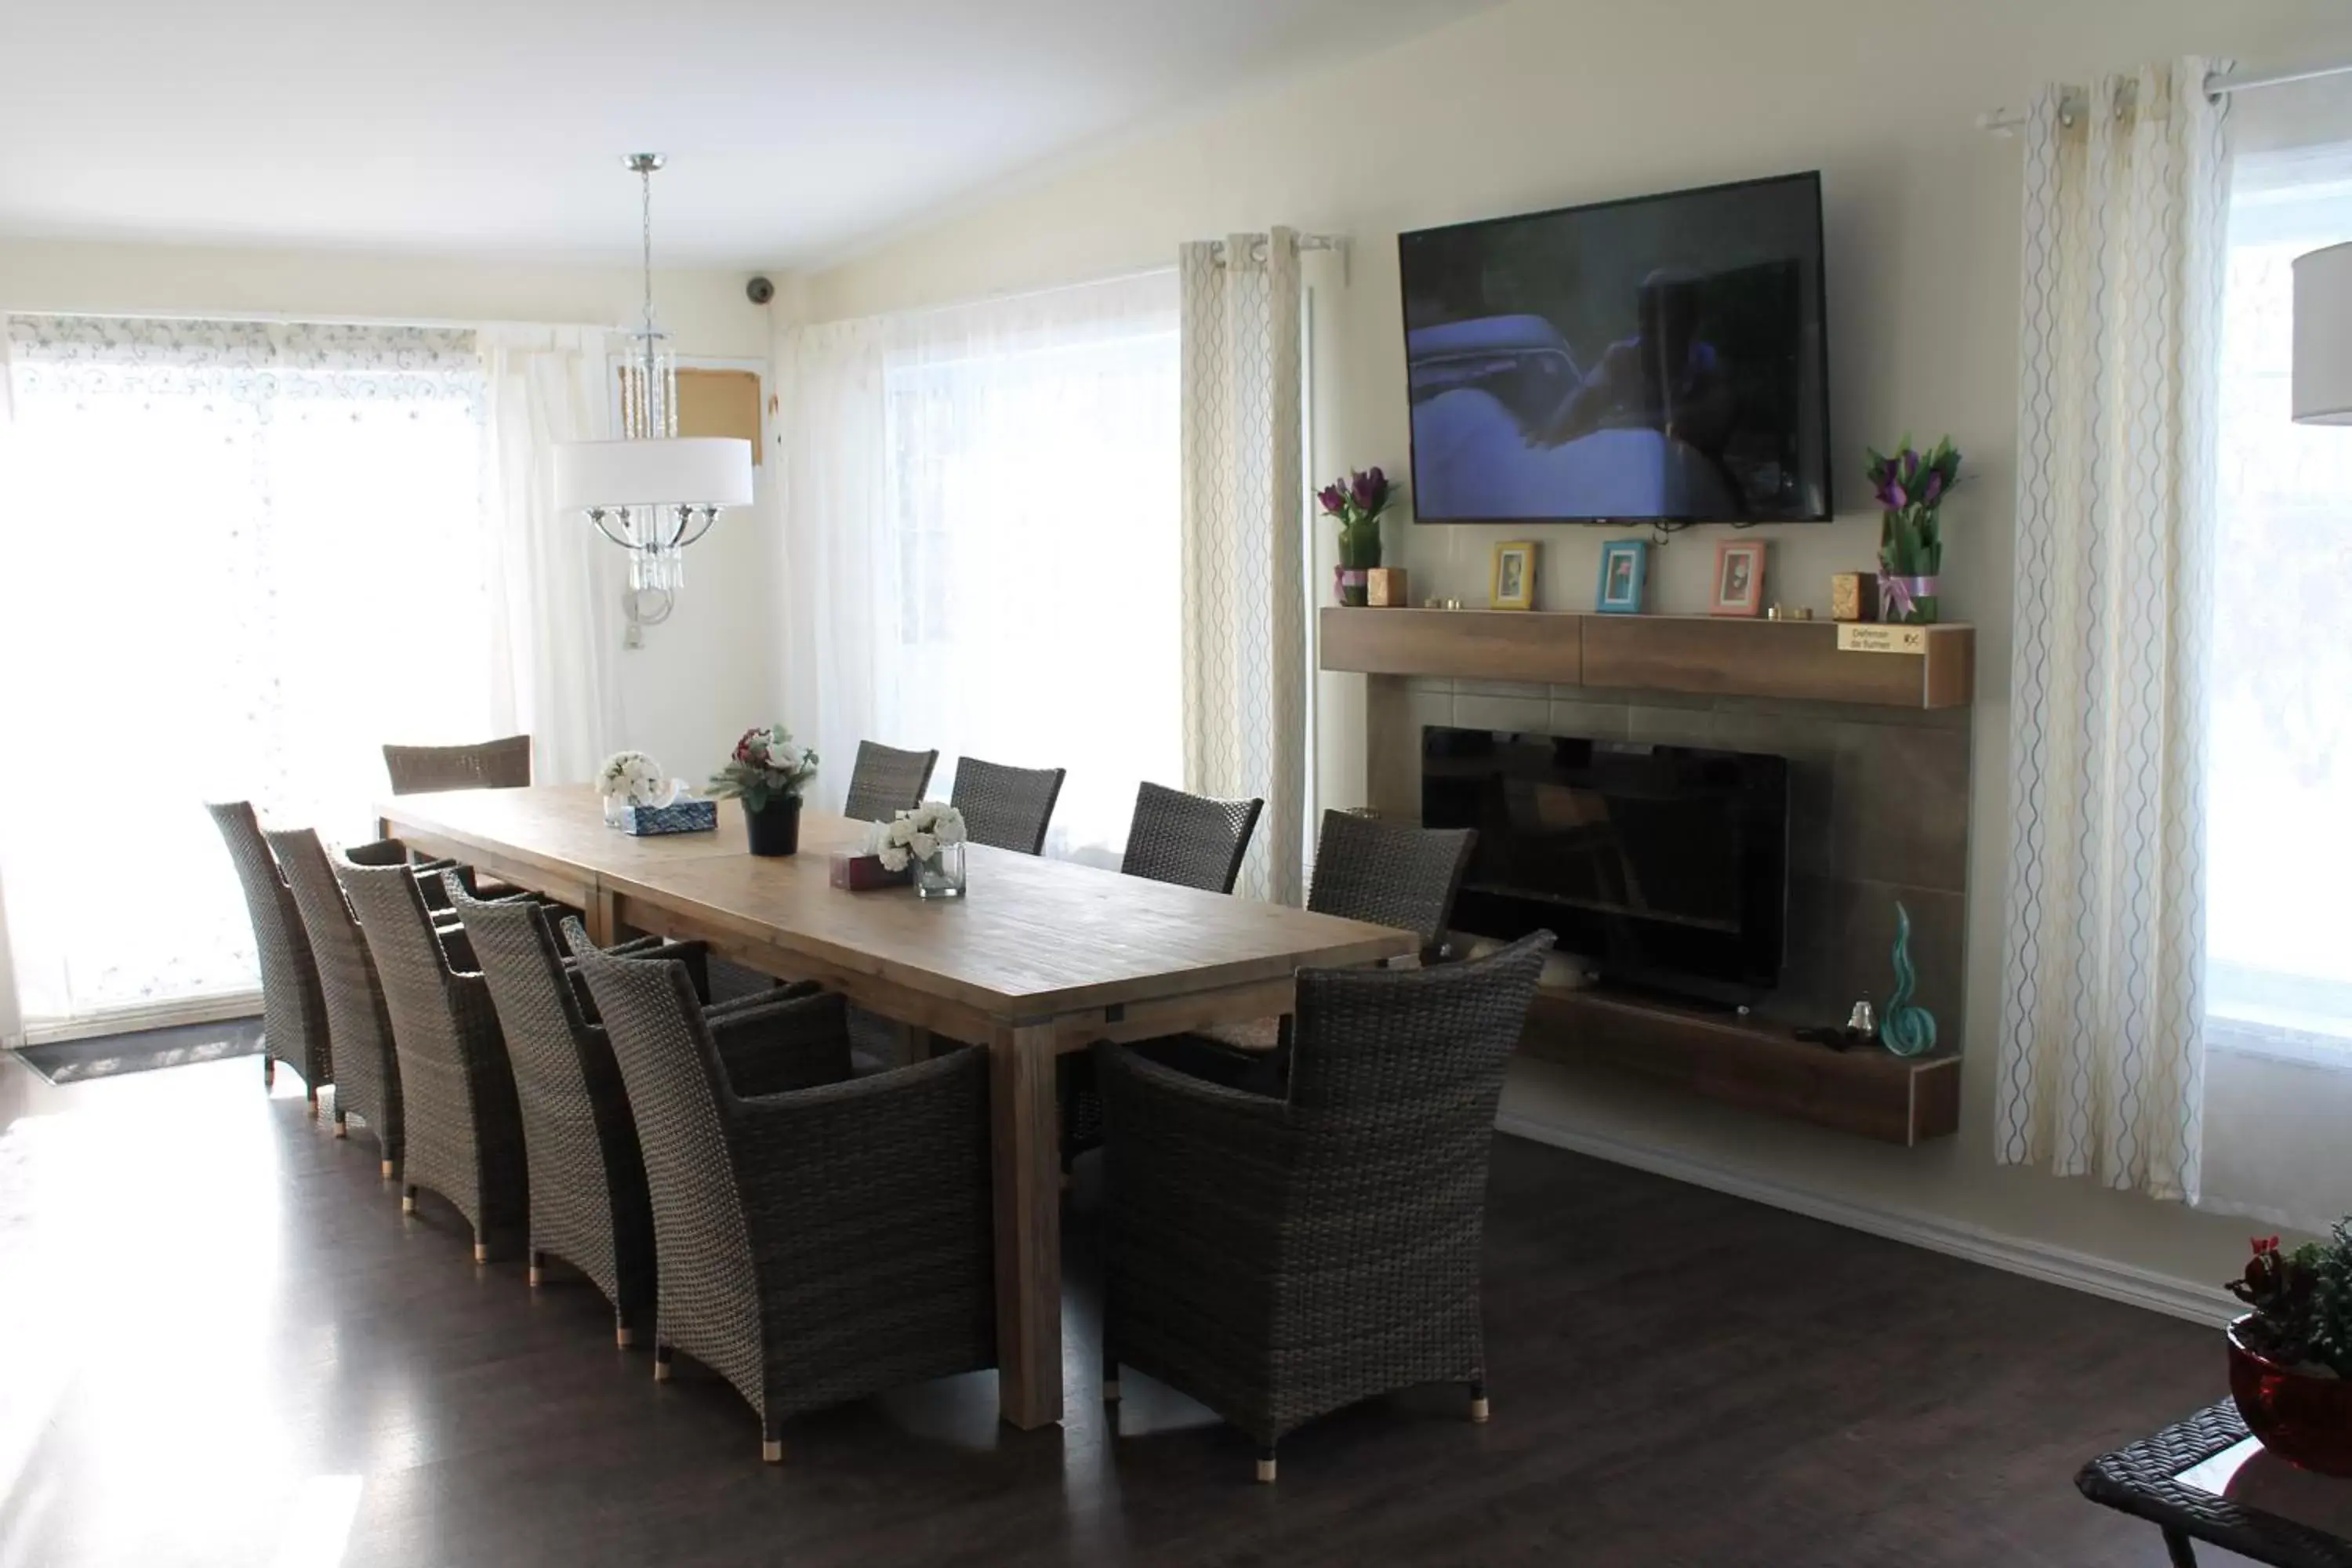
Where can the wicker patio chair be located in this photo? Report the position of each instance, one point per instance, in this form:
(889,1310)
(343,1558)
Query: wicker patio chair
(1189,839)
(815,1246)
(294,1024)
(1387,873)
(487,765)
(589,1205)
(1008,808)
(1279,1259)
(887,781)
(367,1075)
(461,1124)
(1194,841)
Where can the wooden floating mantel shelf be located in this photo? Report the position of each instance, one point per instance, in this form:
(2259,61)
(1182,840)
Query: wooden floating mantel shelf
(1696,654)
(1870,1092)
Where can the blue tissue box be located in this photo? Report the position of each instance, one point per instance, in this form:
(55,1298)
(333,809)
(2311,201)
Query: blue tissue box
(679,816)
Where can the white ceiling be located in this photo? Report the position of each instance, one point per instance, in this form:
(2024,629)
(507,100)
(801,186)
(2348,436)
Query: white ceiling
(794,128)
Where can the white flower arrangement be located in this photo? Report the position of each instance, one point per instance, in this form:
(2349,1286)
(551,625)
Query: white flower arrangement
(632,778)
(917,835)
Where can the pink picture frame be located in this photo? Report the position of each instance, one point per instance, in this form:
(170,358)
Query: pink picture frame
(1738,579)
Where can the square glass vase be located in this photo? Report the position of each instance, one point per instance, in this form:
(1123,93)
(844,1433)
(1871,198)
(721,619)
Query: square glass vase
(941,876)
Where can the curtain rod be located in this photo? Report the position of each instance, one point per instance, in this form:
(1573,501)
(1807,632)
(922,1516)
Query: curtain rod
(2003,122)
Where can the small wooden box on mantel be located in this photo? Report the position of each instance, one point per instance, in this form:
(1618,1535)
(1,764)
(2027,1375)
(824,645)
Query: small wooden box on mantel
(1384,588)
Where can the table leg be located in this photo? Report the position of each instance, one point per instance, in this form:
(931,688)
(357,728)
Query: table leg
(1028,1225)
(602,919)
(2181,1548)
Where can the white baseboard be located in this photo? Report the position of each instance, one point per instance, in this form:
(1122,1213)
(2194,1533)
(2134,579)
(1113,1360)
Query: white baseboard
(2035,1259)
(214,1009)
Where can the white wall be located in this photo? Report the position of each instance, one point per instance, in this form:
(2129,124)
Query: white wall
(701,679)
(1544,102)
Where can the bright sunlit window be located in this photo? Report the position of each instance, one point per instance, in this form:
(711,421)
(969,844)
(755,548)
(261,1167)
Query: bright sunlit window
(2280,795)
(1032,497)
(241,557)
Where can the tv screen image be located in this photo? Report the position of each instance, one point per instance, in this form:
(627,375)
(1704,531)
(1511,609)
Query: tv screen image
(1661,359)
(1665,866)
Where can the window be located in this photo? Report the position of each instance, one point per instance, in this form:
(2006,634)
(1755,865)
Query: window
(241,557)
(984,533)
(2280,795)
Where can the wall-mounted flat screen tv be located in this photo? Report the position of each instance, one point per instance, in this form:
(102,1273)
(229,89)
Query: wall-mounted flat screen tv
(1658,360)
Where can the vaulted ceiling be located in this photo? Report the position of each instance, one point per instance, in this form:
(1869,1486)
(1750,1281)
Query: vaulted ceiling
(794,128)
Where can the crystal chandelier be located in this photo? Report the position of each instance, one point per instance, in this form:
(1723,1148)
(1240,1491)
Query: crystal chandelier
(651,491)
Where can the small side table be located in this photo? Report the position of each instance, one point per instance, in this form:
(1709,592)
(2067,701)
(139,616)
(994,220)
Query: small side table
(2206,1479)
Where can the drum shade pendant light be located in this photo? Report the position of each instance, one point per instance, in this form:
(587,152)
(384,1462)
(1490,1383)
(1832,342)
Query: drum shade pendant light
(2323,336)
(653,491)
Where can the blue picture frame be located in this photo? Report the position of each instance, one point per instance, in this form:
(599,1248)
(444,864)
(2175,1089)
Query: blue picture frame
(1624,577)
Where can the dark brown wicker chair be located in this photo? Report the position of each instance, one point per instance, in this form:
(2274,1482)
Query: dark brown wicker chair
(367,1078)
(461,1124)
(1008,808)
(1189,839)
(816,1246)
(1194,841)
(887,781)
(294,1024)
(589,1203)
(487,764)
(1279,1259)
(1391,874)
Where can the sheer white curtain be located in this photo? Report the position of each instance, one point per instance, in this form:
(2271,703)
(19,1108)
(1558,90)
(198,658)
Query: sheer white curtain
(2279,1002)
(240,556)
(2102,1048)
(1245,622)
(980,542)
(553,581)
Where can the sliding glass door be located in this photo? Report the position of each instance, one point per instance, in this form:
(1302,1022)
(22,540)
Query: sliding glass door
(240,557)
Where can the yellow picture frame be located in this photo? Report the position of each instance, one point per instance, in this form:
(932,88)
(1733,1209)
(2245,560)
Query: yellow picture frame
(1511,585)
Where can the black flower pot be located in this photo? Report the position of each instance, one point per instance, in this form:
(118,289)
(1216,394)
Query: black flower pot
(776,826)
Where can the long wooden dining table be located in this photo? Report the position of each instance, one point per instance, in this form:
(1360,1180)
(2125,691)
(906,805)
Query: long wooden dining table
(1042,957)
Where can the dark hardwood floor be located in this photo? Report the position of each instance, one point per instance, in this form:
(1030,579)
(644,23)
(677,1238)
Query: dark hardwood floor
(223,1344)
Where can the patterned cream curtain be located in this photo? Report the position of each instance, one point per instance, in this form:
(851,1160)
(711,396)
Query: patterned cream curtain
(2102,1050)
(1244,614)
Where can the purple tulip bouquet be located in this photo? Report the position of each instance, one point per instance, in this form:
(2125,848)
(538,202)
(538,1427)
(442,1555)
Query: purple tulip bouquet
(1357,502)
(1911,488)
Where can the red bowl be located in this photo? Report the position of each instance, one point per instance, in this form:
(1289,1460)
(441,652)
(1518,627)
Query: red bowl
(2304,1420)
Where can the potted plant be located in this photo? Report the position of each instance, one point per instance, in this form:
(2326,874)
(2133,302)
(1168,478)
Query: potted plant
(767,773)
(1911,488)
(930,839)
(1357,502)
(2291,1357)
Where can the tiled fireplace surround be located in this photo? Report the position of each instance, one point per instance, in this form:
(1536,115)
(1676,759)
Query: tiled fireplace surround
(1878,811)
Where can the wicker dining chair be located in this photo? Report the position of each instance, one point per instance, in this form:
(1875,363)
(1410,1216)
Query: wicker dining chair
(1386,873)
(815,1246)
(485,764)
(589,1203)
(367,1076)
(294,1024)
(1193,840)
(1008,808)
(887,781)
(461,1124)
(1278,1258)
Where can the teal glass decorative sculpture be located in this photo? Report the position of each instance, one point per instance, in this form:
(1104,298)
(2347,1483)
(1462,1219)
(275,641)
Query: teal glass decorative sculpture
(1905,1030)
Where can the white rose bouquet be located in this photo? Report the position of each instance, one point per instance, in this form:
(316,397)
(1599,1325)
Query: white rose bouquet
(632,778)
(916,836)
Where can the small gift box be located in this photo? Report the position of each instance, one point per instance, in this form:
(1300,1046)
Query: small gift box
(863,873)
(678,817)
